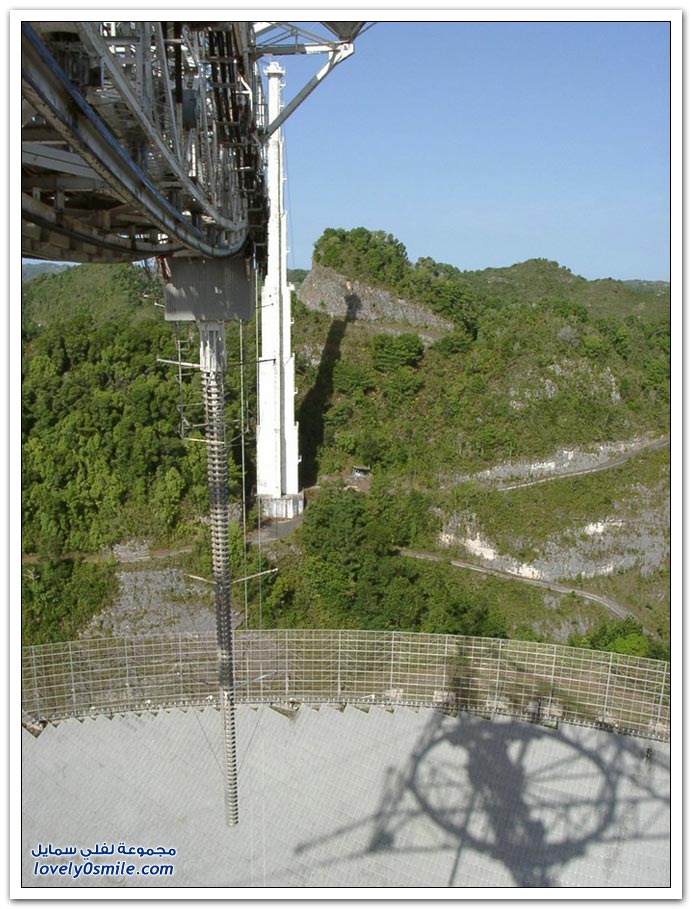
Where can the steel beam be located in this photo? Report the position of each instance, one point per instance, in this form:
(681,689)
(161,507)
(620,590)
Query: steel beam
(61,224)
(48,157)
(336,56)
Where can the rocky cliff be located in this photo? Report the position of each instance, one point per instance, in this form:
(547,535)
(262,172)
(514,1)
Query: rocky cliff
(325,290)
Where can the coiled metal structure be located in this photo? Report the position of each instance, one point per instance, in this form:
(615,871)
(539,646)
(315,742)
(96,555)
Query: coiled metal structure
(213,362)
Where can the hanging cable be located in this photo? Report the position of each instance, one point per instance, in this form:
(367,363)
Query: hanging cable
(258,417)
(242,466)
(212,657)
(257,405)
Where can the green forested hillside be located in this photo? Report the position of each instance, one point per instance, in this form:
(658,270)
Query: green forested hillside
(379,258)
(538,359)
(31,270)
(541,279)
(296,276)
(348,573)
(522,374)
(103,293)
(102,455)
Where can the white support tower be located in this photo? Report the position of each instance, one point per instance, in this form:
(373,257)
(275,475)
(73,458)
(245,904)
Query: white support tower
(277,430)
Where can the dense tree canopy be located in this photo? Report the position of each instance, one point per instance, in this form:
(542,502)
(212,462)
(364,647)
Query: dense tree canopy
(623,636)
(351,576)
(102,451)
(102,455)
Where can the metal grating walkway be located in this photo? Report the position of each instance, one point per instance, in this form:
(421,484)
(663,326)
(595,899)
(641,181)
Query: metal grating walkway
(539,682)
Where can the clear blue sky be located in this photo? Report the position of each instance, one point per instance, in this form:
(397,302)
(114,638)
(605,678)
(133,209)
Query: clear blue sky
(485,144)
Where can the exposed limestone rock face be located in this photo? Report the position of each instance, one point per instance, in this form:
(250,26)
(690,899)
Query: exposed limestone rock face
(325,290)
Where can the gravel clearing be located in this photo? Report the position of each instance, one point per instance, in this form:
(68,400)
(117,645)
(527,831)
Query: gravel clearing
(152,601)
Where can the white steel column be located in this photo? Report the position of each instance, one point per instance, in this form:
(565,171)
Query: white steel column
(277,430)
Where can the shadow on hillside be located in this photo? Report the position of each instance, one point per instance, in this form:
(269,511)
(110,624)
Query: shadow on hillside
(499,803)
(315,404)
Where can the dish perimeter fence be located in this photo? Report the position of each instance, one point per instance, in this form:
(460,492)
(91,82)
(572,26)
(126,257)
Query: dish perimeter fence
(543,683)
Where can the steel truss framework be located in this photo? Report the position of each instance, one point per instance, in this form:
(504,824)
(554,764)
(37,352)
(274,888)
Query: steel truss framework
(140,139)
(543,683)
(146,139)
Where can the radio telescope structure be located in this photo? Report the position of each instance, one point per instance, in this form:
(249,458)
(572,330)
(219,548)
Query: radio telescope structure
(348,759)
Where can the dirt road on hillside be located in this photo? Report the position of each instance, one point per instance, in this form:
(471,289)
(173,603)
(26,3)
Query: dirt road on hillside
(606,465)
(616,608)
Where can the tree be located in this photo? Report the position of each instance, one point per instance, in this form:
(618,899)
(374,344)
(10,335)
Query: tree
(166,496)
(622,636)
(391,352)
